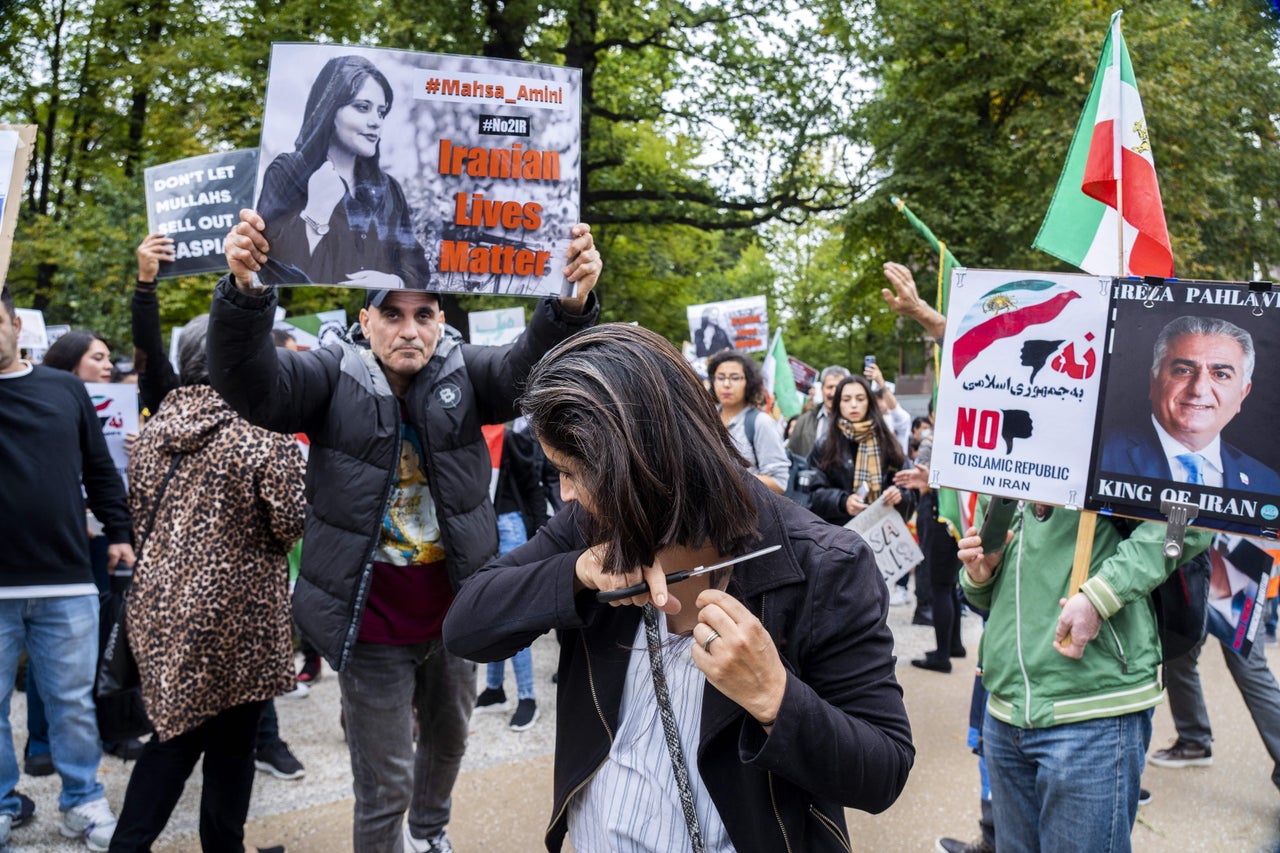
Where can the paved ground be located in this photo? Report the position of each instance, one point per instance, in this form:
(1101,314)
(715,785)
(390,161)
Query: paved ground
(502,801)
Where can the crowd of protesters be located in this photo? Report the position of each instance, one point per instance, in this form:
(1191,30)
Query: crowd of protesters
(741,709)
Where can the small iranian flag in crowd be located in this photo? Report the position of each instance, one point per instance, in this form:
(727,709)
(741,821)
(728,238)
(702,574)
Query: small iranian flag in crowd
(1109,167)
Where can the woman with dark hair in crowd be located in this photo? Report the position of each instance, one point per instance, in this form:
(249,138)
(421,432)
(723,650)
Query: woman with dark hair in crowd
(217,504)
(333,215)
(743,709)
(739,389)
(857,460)
(83,353)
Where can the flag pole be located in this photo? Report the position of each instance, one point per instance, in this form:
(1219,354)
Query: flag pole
(1089,520)
(1117,145)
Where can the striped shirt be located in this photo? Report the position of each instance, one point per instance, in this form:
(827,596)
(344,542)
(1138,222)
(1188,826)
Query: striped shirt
(631,805)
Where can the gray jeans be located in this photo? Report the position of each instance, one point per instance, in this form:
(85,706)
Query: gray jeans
(1256,684)
(381,687)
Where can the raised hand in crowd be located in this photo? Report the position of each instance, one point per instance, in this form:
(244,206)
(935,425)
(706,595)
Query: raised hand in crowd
(905,300)
(916,477)
(153,249)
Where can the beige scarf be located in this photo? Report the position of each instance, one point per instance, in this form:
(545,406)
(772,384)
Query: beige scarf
(866,465)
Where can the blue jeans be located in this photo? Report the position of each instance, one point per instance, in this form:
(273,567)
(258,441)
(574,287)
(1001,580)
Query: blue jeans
(1066,788)
(511,535)
(61,638)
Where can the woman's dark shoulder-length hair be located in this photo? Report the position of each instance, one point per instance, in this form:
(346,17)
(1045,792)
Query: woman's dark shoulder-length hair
(65,353)
(755,379)
(646,442)
(837,443)
(337,85)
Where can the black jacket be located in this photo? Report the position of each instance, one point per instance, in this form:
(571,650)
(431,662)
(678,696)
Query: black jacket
(841,738)
(830,490)
(339,396)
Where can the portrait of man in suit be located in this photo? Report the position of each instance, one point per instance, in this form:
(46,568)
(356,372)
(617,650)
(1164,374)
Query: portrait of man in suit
(1201,374)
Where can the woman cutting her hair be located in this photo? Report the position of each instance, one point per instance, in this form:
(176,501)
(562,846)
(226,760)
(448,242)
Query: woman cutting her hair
(741,709)
(333,215)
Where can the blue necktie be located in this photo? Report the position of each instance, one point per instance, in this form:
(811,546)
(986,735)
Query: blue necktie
(1193,462)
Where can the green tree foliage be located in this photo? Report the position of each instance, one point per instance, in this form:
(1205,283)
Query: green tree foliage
(698,124)
(975,104)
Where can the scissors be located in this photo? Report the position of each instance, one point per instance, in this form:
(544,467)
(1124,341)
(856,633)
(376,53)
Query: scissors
(643,587)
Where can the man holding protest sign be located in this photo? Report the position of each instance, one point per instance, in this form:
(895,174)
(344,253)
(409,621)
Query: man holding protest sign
(1072,680)
(48,602)
(398,508)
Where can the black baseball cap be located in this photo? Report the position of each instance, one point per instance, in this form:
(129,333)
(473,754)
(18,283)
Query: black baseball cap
(375,298)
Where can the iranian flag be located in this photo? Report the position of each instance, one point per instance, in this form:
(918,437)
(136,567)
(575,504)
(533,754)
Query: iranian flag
(1109,172)
(1005,311)
(779,381)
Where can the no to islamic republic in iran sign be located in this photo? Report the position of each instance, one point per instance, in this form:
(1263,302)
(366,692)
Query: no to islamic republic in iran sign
(1019,383)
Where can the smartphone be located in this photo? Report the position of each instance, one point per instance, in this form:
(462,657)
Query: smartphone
(996,523)
(867,361)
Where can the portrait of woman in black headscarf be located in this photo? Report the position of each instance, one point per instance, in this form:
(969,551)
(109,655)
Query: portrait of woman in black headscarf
(333,215)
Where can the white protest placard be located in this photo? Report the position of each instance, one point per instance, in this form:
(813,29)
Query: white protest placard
(312,331)
(389,168)
(495,328)
(33,334)
(890,539)
(737,324)
(1018,388)
(117,406)
(196,201)
(16,144)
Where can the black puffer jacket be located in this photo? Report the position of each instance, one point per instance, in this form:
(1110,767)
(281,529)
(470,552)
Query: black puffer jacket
(340,398)
(841,739)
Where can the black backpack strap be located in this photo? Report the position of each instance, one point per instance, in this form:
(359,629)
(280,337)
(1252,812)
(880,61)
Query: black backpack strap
(155,506)
(750,427)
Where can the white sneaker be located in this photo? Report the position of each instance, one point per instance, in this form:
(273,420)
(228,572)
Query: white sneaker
(899,596)
(92,821)
(302,691)
(6,825)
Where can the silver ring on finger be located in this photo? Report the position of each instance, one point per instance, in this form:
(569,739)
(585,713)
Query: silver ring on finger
(706,644)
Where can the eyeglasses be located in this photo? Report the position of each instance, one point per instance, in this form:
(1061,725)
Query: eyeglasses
(730,380)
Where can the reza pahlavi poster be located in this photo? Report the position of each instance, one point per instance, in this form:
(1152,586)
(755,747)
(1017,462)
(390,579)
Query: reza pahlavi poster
(1018,388)
(1187,413)
(395,169)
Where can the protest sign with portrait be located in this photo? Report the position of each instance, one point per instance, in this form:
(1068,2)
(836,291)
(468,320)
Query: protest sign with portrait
(196,201)
(736,324)
(1018,390)
(395,169)
(1187,413)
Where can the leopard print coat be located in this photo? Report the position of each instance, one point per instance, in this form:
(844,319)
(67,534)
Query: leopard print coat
(208,615)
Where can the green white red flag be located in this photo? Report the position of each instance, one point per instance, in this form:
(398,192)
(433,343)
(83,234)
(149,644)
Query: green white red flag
(1109,172)
(779,381)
